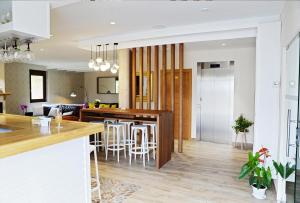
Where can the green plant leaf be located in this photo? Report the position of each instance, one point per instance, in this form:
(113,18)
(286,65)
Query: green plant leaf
(244,171)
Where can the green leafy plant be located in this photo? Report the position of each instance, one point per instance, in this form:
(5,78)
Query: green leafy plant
(259,176)
(242,124)
(97,102)
(284,171)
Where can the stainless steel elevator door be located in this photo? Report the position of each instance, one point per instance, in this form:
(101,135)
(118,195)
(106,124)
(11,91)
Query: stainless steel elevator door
(216,105)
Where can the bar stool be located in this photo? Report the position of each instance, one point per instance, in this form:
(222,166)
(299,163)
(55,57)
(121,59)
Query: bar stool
(153,137)
(143,148)
(128,125)
(116,145)
(109,121)
(97,187)
(97,142)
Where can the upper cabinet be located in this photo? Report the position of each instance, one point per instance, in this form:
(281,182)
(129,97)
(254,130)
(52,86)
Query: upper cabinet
(24,20)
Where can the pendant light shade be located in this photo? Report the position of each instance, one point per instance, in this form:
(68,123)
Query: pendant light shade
(115,67)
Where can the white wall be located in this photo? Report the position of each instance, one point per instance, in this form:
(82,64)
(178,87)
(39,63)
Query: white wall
(244,73)
(268,60)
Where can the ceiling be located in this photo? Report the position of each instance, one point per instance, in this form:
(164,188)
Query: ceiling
(73,21)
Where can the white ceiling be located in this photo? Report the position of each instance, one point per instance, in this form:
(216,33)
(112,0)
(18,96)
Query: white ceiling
(78,21)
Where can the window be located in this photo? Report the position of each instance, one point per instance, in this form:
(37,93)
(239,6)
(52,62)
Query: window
(37,85)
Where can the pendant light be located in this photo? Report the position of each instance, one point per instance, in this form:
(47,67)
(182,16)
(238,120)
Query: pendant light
(99,59)
(96,66)
(107,64)
(115,66)
(28,53)
(103,65)
(91,62)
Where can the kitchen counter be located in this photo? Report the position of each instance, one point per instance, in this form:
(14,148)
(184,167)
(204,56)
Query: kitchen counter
(26,137)
(45,164)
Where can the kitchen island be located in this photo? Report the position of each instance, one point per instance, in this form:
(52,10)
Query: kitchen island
(44,164)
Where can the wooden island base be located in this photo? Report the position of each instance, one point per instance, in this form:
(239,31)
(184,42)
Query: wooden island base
(164,120)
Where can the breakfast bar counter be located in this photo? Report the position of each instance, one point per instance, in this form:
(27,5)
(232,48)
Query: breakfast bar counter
(163,119)
(45,164)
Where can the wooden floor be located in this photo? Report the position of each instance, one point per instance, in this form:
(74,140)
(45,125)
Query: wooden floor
(204,173)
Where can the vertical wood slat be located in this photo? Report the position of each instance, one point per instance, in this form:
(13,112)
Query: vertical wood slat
(141,59)
(181,64)
(163,78)
(155,77)
(148,77)
(173,88)
(133,79)
(173,76)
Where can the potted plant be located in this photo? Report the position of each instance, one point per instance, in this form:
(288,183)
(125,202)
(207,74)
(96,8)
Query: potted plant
(97,103)
(260,177)
(23,107)
(284,172)
(241,125)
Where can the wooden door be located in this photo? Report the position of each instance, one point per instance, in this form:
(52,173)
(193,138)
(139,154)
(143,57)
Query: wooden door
(187,101)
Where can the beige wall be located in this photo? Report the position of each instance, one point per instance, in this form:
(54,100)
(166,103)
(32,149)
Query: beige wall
(59,86)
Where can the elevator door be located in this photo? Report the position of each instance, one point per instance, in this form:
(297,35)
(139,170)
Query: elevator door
(216,104)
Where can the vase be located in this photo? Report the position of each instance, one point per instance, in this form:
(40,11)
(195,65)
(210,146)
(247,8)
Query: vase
(259,193)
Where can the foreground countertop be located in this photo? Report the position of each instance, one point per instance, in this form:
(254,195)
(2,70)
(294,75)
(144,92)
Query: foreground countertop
(26,137)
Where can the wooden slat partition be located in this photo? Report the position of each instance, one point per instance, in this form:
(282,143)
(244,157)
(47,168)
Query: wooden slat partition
(141,59)
(181,64)
(149,77)
(155,77)
(163,79)
(133,82)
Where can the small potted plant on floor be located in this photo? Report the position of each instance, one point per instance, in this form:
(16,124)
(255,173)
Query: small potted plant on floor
(260,177)
(241,125)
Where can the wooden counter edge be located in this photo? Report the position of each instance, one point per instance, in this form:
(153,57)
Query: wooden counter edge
(40,142)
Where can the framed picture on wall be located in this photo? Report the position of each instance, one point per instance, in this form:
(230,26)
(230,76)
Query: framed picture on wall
(145,86)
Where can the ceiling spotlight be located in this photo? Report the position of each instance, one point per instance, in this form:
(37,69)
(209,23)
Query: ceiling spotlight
(42,49)
(223,44)
(112,23)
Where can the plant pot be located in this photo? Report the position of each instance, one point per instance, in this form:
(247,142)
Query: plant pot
(97,105)
(259,193)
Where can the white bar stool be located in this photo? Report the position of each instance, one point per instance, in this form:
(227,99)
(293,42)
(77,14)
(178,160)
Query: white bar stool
(128,125)
(97,187)
(116,145)
(134,147)
(97,142)
(153,137)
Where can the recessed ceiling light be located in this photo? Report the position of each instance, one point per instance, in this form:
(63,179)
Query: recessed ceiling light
(112,23)
(223,44)
(159,27)
(42,49)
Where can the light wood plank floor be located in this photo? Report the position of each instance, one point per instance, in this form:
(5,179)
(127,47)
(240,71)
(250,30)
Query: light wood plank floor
(204,173)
